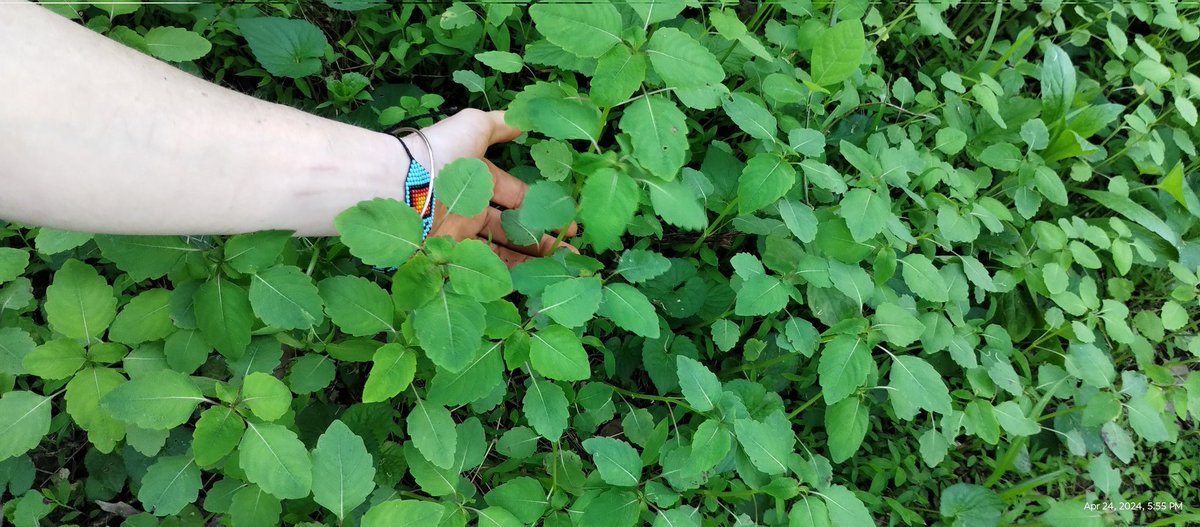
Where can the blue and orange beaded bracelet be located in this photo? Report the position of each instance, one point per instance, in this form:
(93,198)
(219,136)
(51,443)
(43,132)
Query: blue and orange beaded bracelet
(418,183)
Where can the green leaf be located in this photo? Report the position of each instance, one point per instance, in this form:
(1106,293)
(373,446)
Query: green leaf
(639,265)
(846,422)
(768,443)
(497,517)
(619,464)
(924,279)
(79,303)
(1012,418)
(450,329)
(725,334)
(808,512)
(501,61)
(176,44)
(612,508)
(12,263)
(629,309)
(251,253)
(170,484)
(657,11)
(1002,156)
(547,206)
(476,381)
(145,257)
(972,505)
(710,445)
(700,386)
(224,316)
(586,30)
(682,62)
(950,140)
(1090,364)
(799,219)
(553,158)
(765,179)
(866,213)
(268,397)
(843,367)
(56,359)
(159,402)
(54,241)
(899,327)
(218,432)
(565,118)
(381,232)
(916,385)
(619,73)
(572,302)
(286,298)
(274,458)
(285,47)
(464,186)
(676,203)
(751,116)
(761,295)
(838,52)
(83,396)
(556,353)
(1146,420)
(310,373)
(522,494)
(392,370)
(609,200)
(545,408)
(477,272)
(251,506)
(1058,84)
(145,318)
(24,421)
(432,431)
(357,305)
(343,470)
(403,513)
(845,508)
(16,295)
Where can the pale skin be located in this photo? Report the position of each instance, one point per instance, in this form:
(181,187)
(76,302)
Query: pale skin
(98,137)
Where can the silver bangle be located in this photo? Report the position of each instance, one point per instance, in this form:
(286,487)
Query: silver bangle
(432,163)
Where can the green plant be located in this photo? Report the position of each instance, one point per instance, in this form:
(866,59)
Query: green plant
(844,263)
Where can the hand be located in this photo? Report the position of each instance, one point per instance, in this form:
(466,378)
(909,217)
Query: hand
(469,133)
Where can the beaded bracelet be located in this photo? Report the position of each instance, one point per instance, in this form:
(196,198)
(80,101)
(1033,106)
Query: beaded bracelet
(418,183)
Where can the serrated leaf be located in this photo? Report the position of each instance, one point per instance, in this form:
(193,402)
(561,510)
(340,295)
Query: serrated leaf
(838,52)
(464,186)
(547,206)
(681,61)
(403,513)
(587,30)
(699,385)
(24,421)
(274,458)
(765,179)
(160,402)
(224,316)
(432,431)
(676,204)
(217,433)
(357,305)
(176,44)
(609,201)
(80,303)
(501,61)
(145,318)
(545,408)
(924,279)
(170,484)
(846,422)
(381,232)
(619,73)
(866,213)
(285,47)
(843,367)
(392,370)
(450,329)
(618,463)
(268,397)
(916,385)
(477,272)
(629,309)
(556,353)
(286,298)
(572,302)
(565,118)
(768,443)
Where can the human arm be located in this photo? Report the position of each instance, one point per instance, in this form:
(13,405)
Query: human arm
(97,137)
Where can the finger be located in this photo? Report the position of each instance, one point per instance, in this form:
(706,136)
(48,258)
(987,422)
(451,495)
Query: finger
(510,257)
(507,190)
(501,131)
(495,230)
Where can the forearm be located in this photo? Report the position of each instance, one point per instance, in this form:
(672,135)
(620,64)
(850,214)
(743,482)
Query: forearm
(97,137)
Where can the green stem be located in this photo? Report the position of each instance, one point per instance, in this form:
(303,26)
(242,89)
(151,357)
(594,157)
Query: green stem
(712,227)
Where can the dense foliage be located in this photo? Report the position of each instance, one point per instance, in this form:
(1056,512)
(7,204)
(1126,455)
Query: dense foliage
(844,263)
